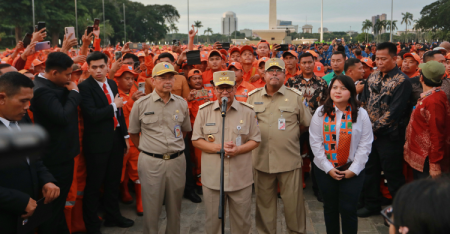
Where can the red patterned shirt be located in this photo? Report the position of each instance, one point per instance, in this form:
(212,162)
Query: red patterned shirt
(428,132)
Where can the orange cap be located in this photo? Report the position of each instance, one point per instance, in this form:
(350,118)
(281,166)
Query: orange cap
(214,52)
(291,52)
(319,70)
(140,54)
(367,61)
(223,51)
(193,71)
(234,49)
(448,56)
(37,62)
(125,68)
(204,56)
(414,55)
(263,42)
(246,47)
(263,59)
(313,53)
(237,65)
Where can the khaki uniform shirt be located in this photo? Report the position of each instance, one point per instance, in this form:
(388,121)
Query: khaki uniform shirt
(157,122)
(240,121)
(279,150)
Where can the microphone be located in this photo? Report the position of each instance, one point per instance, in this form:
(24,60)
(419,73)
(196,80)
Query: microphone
(224,105)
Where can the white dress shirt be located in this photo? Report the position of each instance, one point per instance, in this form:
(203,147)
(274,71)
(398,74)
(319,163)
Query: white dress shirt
(360,146)
(112,101)
(110,95)
(7,122)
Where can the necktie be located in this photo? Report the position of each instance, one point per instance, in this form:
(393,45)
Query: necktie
(13,126)
(105,90)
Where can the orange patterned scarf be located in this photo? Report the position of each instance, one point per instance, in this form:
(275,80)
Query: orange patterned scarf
(339,156)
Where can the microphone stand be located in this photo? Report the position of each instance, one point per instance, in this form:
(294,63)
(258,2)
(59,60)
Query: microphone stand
(222,158)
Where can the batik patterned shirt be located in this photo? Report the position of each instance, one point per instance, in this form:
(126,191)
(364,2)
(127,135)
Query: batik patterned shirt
(314,90)
(386,99)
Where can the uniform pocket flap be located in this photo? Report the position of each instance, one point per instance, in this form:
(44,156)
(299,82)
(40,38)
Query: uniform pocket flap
(258,108)
(210,129)
(287,108)
(244,130)
(147,119)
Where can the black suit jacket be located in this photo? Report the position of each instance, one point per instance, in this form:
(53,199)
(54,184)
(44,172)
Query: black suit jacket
(17,184)
(98,117)
(56,110)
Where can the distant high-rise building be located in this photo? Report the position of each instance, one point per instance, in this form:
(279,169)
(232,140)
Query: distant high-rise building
(307,28)
(246,31)
(381,18)
(282,24)
(229,23)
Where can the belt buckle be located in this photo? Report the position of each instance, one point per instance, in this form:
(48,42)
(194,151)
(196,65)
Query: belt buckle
(166,156)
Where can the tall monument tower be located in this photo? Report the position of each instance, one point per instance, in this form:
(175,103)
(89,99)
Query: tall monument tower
(273,14)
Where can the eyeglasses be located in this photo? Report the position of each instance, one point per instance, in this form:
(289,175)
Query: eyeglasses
(387,214)
(228,89)
(166,79)
(278,71)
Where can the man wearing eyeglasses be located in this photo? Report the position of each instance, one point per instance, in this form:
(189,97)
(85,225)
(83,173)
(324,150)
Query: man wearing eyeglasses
(242,135)
(162,119)
(280,113)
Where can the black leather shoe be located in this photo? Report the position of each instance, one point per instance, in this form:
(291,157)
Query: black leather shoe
(364,212)
(121,222)
(199,190)
(191,195)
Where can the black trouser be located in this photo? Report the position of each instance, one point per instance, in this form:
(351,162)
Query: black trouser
(63,174)
(305,137)
(340,197)
(190,181)
(425,173)
(386,156)
(103,169)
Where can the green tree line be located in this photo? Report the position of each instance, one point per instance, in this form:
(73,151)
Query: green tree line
(143,22)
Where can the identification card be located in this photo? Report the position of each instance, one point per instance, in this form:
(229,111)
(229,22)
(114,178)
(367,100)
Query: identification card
(238,140)
(281,124)
(177,131)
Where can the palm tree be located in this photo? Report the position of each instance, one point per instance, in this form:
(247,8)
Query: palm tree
(198,24)
(377,28)
(407,18)
(394,25)
(366,25)
(208,31)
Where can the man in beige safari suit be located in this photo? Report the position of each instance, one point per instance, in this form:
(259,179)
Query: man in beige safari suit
(280,113)
(162,118)
(241,137)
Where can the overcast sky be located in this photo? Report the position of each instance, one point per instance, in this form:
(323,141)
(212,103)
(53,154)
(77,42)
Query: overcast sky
(339,15)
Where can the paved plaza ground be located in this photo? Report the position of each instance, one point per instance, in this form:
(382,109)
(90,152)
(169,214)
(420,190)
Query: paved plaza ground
(193,218)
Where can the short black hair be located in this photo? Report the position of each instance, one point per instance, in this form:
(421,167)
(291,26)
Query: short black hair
(430,55)
(11,82)
(341,53)
(401,53)
(132,56)
(96,55)
(58,61)
(4,65)
(392,48)
(350,63)
(428,82)
(167,55)
(358,52)
(341,48)
(304,55)
(420,206)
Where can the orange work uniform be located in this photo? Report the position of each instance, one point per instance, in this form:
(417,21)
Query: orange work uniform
(242,91)
(202,96)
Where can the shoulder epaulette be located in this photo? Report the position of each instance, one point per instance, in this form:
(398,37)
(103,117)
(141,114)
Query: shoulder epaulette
(296,91)
(254,91)
(179,97)
(246,104)
(204,104)
(144,97)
